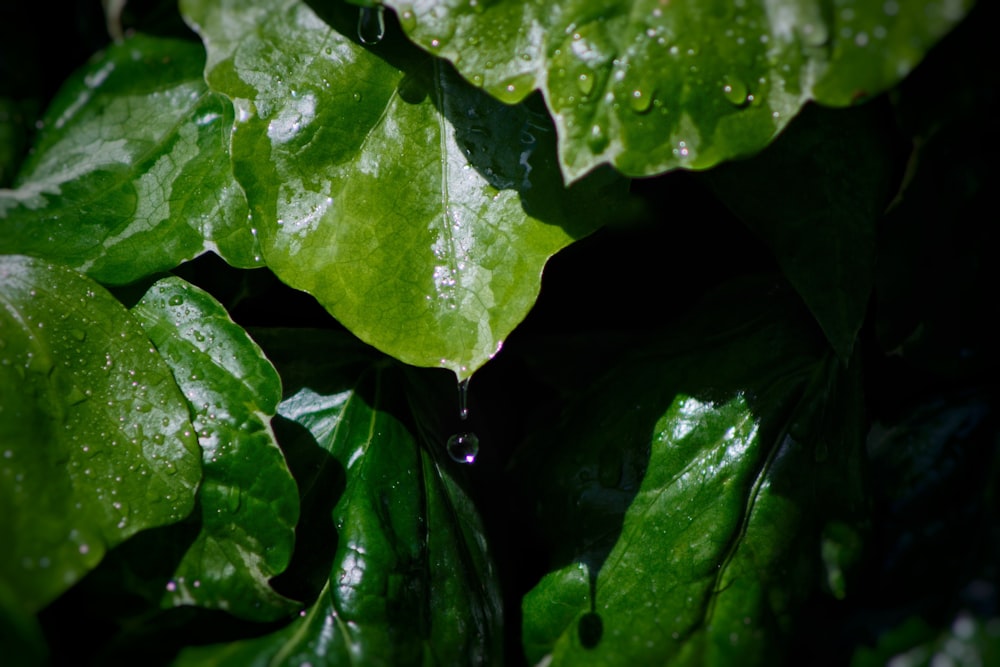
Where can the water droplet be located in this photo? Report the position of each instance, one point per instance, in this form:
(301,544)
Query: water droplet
(357,97)
(585,82)
(463,447)
(176,300)
(735,90)
(598,138)
(463,399)
(640,100)
(514,89)
(371,24)
(407,19)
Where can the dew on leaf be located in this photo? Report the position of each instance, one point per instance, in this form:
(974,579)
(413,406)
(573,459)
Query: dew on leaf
(176,300)
(585,82)
(735,90)
(597,138)
(640,100)
(463,447)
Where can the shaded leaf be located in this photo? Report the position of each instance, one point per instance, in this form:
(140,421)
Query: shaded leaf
(129,175)
(20,635)
(416,209)
(935,291)
(411,582)
(96,439)
(822,230)
(687,496)
(650,86)
(248,498)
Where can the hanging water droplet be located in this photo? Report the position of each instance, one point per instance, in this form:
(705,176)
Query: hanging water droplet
(463,447)
(463,399)
(371,24)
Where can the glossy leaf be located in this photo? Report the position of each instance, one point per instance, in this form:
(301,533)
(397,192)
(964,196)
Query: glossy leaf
(96,439)
(685,528)
(416,209)
(411,582)
(650,86)
(129,174)
(822,231)
(248,498)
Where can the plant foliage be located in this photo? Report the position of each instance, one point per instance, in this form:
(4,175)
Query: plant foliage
(271,278)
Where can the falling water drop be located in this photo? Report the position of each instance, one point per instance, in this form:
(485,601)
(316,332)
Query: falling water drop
(463,447)
(463,399)
(371,24)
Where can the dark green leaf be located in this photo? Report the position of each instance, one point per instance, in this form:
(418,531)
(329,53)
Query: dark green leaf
(686,495)
(248,497)
(822,230)
(20,636)
(96,439)
(650,86)
(411,582)
(130,174)
(935,286)
(417,210)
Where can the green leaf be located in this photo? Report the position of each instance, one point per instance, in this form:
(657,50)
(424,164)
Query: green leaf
(249,501)
(129,175)
(822,230)
(650,86)
(687,493)
(416,209)
(96,440)
(20,635)
(411,583)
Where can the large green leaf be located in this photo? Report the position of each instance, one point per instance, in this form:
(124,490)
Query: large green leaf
(95,436)
(688,498)
(411,583)
(130,174)
(649,86)
(418,210)
(248,499)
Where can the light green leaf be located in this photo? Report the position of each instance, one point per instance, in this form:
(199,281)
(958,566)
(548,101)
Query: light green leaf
(95,438)
(411,583)
(130,173)
(416,209)
(650,86)
(248,499)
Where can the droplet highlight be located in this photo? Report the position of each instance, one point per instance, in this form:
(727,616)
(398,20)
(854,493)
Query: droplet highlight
(463,447)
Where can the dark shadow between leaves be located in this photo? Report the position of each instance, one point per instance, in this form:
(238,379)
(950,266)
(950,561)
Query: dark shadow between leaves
(321,480)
